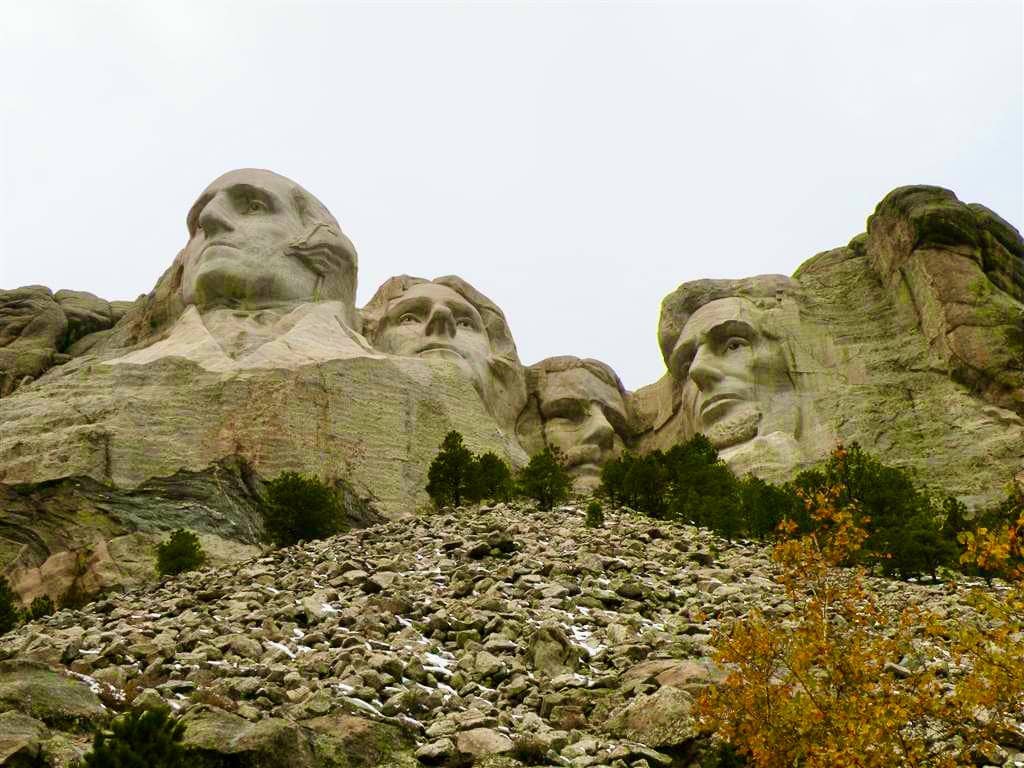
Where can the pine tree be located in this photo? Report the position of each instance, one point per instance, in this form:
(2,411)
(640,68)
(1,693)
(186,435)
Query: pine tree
(182,552)
(545,479)
(493,478)
(452,473)
(144,738)
(10,614)
(300,507)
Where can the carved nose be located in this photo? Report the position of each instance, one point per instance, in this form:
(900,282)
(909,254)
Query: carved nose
(598,430)
(215,217)
(441,322)
(704,369)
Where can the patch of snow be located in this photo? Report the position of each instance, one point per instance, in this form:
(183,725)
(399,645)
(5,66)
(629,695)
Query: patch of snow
(281,647)
(364,705)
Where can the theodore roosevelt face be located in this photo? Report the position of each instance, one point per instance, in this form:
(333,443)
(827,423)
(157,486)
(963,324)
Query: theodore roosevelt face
(583,416)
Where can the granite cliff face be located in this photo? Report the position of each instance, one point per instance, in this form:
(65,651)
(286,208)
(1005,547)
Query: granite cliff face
(909,340)
(249,357)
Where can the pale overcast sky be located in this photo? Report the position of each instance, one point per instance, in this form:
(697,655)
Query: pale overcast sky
(574,161)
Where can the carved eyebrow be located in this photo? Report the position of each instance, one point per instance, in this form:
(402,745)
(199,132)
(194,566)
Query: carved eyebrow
(407,304)
(563,406)
(192,220)
(732,328)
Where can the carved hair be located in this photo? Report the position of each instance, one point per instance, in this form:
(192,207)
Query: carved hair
(764,292)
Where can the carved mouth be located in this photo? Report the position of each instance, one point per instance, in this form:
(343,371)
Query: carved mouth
(216,244)
(438,347)
(718,401)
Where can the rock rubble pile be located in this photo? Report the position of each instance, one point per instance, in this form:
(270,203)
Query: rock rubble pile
(488,635)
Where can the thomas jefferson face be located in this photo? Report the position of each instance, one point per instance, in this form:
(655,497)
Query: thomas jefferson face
(240,229)
(432,320)
(583,417)
(730,370)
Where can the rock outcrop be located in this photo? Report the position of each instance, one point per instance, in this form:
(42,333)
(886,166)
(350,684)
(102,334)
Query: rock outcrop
(909,340)
(249,353)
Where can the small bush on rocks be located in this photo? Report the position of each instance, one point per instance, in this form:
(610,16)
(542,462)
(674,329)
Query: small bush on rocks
(595,515)
(40,608)
(143,738)
(300,507)
(530,750)
(10,614)
(182,552)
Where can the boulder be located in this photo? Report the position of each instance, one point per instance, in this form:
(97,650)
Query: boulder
(21,739)
(344,741)
(58,700)
(661,719)
(551,652)
(224,739)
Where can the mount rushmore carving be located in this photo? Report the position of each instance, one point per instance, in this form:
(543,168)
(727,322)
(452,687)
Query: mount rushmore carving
(250,352)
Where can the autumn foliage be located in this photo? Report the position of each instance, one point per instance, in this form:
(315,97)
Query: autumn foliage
(847,681)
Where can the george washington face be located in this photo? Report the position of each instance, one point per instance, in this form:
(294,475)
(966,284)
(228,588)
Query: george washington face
(247,246)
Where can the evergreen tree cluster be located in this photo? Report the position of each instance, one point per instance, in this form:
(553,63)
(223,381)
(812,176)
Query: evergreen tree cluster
(182,552)
(458,476)
(301,508)
(911,532)
(690,483)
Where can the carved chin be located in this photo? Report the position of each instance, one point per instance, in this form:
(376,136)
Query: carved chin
(734,428)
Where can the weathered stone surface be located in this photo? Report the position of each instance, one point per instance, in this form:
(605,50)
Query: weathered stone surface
(373,423)
(479,742)
(221,738)
(344,741)
(58,700)
(910,340)
(662,719)
(21,739)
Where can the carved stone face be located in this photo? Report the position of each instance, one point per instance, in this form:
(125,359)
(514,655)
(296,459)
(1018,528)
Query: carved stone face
(730,370)
(241,229)
(431,320)
(583,416)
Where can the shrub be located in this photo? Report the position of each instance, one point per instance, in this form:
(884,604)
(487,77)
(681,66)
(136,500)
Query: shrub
(545,479)
(182,552)
(595,515)
(702,489)
(492,478)
(452,474)
(530,749)
(10,614)
(143,738)
(41,607)
(299,507)
(816,690)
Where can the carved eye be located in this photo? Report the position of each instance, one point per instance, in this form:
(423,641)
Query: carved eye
(256,206)
(408,318)
(463,322)
(735,343)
